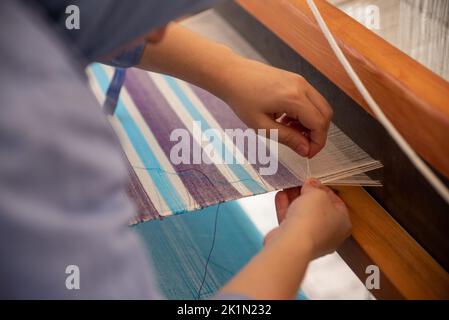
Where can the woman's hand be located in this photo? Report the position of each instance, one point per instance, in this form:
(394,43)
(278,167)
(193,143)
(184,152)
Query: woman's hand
(314,214)
(313,222)
(260,95)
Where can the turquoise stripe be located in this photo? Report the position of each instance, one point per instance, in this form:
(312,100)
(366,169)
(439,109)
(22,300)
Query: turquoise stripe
(144,151)
(237,169)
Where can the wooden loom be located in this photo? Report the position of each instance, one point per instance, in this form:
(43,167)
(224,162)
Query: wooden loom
(404,227)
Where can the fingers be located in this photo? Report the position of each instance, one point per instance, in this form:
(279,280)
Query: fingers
(289,136)
(311,185)
(325,109)
(292,194)
(294,123)
(310,117)
(334,198)
(314,112)
(319,102)
(283,200)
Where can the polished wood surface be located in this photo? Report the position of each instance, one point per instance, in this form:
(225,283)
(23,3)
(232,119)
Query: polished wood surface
(415,99)
(408,271)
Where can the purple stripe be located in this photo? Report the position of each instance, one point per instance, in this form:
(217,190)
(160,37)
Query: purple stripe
(228,120)
(135,190)
(204,182)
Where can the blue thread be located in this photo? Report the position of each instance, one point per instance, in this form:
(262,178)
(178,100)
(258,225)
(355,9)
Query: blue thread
(210,252)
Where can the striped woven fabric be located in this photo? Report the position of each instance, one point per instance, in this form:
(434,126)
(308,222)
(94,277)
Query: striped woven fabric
(150,108)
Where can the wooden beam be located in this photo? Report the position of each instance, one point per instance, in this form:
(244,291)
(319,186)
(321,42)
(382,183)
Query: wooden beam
(415,99)
(407,270)
(358,261)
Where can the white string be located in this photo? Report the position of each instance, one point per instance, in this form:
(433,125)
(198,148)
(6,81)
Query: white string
(309,172)
(402,143)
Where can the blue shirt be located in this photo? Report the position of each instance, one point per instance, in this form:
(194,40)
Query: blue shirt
(62,174)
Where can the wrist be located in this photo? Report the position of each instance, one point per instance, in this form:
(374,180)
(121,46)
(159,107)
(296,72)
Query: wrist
(294,243)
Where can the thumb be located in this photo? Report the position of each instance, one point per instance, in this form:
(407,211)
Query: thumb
(310,185)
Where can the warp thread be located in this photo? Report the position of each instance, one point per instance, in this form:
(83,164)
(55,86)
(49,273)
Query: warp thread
(210,252)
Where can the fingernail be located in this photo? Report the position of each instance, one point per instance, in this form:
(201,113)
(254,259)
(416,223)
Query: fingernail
(314,182)
(303,150)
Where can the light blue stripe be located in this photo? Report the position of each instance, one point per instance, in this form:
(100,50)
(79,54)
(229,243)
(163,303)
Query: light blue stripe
(237,169)
(149,160)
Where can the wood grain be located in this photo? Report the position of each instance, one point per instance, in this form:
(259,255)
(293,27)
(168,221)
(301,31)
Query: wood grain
(415,99)
(411,273)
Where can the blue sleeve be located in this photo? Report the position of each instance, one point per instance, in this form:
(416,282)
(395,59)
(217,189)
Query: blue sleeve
(121,62)
(62,177)
(128,58)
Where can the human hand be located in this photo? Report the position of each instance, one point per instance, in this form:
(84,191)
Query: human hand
(313,214)
(265,97)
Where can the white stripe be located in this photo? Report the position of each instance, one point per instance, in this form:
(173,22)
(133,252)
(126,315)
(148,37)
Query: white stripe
(144,177)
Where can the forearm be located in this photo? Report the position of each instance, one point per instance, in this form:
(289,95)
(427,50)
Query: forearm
(191,57)
(275,273)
